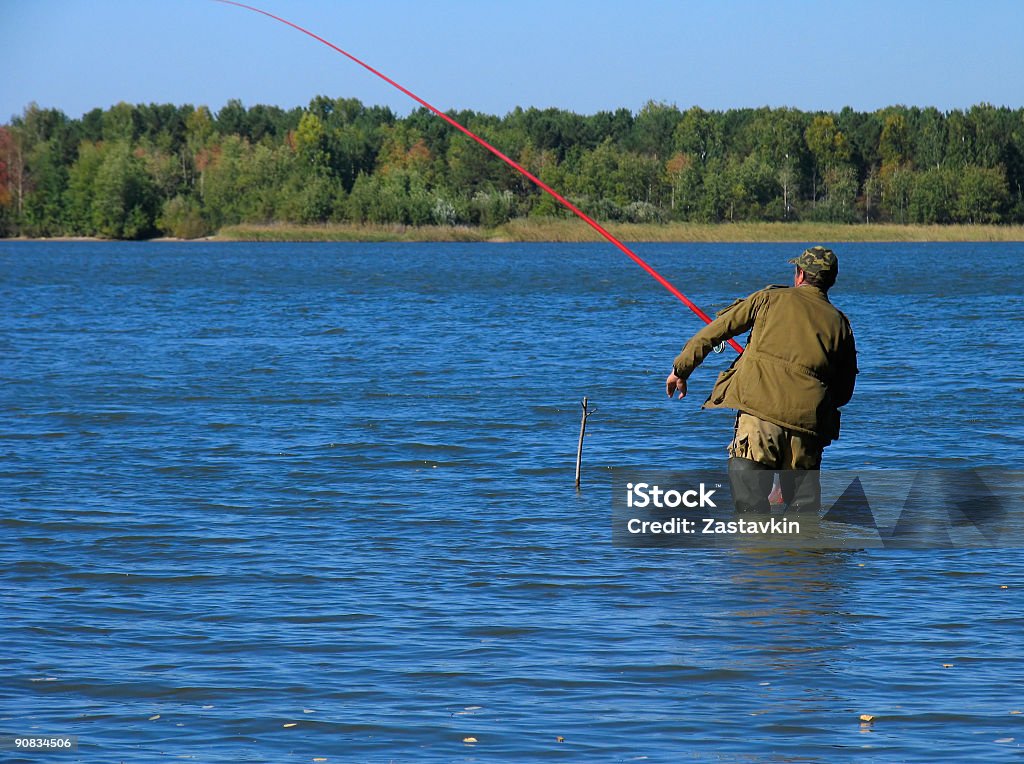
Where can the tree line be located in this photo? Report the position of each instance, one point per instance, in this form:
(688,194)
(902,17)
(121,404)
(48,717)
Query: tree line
(137,171)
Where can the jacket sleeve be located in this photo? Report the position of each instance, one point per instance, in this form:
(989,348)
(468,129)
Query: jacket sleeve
(736,319)
(845,375)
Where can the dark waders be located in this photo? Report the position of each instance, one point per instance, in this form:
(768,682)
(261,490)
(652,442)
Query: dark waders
(751,483)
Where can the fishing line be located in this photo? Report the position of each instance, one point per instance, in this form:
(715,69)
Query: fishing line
(511,162)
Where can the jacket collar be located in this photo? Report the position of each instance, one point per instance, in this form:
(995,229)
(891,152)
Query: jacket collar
(817,291)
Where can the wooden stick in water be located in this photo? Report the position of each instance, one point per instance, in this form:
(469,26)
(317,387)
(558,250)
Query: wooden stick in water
(583,431)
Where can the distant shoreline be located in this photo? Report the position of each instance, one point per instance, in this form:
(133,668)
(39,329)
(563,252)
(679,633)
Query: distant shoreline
(570,231)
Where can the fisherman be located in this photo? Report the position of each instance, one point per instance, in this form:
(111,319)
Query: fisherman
(787,386)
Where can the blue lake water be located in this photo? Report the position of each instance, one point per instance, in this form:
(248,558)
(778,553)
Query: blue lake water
(297,502)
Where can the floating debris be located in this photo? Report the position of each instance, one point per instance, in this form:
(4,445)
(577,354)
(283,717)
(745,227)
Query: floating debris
(473,708)
(1005,740)
(308,711)
(947,665)
(867,718)
(1015,712)
(319,758)
(289,724)
(154,717)
(559,739)
(469,740)
(207,708)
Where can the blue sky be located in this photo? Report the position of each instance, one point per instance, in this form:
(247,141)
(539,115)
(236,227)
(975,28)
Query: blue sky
(492,56)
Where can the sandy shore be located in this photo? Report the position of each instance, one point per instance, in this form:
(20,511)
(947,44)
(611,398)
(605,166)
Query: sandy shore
(563,230)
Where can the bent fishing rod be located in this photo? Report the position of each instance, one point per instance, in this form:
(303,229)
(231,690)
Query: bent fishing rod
(507,160)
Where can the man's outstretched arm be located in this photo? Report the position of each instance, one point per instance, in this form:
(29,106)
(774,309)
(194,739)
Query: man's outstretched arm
(732,321)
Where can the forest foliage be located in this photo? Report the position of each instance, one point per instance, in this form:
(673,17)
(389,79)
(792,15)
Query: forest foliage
(138,171)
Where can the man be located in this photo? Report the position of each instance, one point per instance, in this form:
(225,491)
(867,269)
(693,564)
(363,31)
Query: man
(787,386)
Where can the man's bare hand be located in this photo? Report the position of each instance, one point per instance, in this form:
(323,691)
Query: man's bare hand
(674,385)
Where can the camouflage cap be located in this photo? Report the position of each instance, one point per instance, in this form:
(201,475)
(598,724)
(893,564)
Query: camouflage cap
(817,260)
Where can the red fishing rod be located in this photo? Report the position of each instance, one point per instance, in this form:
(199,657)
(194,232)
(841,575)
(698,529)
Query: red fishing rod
(507,160)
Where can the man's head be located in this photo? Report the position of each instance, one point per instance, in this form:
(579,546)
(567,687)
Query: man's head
(819,266)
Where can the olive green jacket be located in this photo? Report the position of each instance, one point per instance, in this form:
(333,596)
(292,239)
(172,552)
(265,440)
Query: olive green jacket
(799,364)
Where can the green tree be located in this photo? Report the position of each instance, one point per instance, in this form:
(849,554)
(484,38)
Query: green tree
(610,179)
(930,143)
(550,130)
(863,130)
(932,196)
(120,123)
(196,154)
(40,151)
(777,136)
(311,142)
(986,127)
(199,129)
(353,150)
(123,196)
(224,182)
(788,181)
(395,198)
(279,186)
(840,202)
(698,135)
(960,142)
(715,194)
(615,125)
(470,167)
(829,147)
(43,212)
(894,142)
(182,218)
(653,129)
(492,208)
(872,194)
(554,175)
(80,191)
(981,194)
(897,181)
(752,186)
(232,119)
